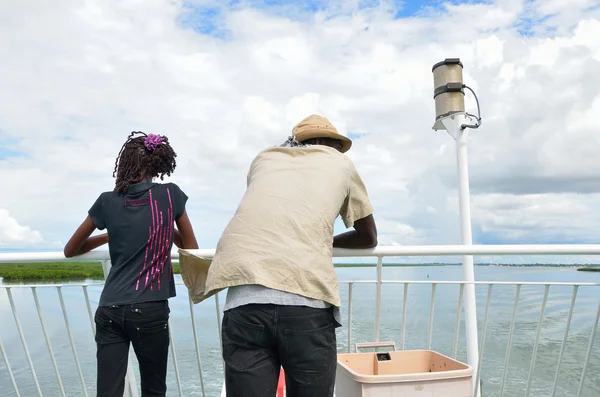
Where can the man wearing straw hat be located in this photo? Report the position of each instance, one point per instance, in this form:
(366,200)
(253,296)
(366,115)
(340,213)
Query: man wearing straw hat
(275,256)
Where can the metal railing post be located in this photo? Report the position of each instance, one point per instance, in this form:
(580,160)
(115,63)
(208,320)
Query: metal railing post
(378,302)
(23,341)
(48,343)
(9,369)
(349,316)
(404,309)
(589,352)
(196,345)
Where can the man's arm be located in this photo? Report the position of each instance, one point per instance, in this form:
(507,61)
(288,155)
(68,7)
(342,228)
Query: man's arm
(364,235)
(81,242)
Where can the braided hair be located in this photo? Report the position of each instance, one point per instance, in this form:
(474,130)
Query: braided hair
(137,160)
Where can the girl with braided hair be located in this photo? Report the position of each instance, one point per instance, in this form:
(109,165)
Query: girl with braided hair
(140,217)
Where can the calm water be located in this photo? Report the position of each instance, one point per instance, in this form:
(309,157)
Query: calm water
(419,300)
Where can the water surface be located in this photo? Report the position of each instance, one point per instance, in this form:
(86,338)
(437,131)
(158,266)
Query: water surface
(364,299)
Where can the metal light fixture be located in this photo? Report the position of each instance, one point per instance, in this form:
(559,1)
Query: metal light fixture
(449,95)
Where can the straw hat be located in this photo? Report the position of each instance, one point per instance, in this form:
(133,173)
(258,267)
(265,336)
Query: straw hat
(315,126)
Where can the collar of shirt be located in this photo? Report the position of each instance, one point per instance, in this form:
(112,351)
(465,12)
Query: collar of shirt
(140,187)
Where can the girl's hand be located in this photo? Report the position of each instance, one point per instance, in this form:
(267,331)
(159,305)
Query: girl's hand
(81,242)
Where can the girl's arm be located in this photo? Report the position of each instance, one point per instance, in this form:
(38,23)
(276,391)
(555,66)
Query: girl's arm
(184,234)
(177,240)
(81,242)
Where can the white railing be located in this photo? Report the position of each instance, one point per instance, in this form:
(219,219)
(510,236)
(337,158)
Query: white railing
(379,253)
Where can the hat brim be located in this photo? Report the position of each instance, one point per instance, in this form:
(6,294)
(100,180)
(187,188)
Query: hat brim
(323,133)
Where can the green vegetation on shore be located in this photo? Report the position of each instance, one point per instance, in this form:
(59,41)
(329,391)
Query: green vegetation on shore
(51,271)
(385,264)
(588,269)
(61,271)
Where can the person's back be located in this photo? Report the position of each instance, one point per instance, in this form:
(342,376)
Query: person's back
(140,218)
(140,223)
(293,197)
(275,256)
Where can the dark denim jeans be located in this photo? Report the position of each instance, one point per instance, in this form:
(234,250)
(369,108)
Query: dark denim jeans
(259,339)
(145,326)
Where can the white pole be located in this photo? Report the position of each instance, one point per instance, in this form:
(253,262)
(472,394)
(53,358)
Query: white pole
(453,126)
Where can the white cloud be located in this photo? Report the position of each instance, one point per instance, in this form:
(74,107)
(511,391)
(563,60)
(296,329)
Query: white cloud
(554,217)
(12,234)
(78,77)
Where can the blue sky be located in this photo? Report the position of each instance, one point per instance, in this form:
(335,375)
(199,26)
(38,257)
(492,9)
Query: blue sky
(208,19)
(6,152)
(8,148)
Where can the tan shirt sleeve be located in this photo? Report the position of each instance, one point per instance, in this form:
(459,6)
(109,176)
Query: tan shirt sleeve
(357,205)
(250,171)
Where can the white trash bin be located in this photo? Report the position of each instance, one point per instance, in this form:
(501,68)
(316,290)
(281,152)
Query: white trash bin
(408,373)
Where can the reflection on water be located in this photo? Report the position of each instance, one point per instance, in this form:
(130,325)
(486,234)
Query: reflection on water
(419,301)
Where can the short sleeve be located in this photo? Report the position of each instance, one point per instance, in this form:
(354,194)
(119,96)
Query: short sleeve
(179,199)
(97,213)
(357,205)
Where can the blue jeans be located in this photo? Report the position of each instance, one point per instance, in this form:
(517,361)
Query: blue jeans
(145,326)
(259,339)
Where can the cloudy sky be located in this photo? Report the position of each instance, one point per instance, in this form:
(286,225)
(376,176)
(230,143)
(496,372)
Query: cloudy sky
(225,79)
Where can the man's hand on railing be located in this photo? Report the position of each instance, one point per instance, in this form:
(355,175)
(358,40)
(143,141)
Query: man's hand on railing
(364,235)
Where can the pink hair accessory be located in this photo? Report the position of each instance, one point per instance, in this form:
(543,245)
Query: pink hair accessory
(152,141)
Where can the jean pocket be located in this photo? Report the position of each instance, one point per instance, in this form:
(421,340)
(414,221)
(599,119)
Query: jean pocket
(152,335)
(107,331)
(243,343)
(160,326)
(311,355)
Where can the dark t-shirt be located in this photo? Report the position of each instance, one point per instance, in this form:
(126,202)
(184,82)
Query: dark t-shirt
(140,226)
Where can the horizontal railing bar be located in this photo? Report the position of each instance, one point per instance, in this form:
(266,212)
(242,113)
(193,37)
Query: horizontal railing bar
(557,283)
(49,285)
(427,282)
(381,251)
(100,284)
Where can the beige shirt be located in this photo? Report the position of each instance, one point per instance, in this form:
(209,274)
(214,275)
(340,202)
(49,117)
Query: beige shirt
(281,235)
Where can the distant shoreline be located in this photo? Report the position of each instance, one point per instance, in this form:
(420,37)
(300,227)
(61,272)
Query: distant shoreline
(74,271)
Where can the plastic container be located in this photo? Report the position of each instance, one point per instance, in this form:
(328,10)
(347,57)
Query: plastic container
(408,373)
